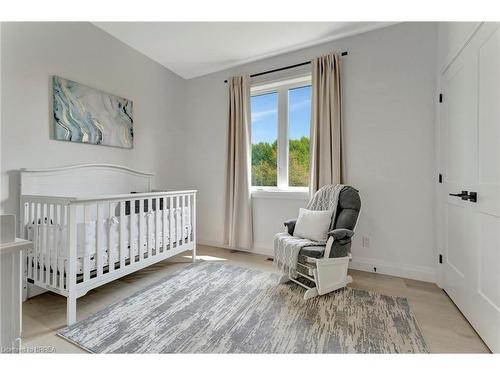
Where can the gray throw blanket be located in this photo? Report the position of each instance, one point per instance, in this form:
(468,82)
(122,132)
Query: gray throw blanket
(287,248)
(286,252)
(326,198)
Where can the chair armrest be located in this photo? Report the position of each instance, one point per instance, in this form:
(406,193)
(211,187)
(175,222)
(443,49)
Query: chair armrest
(290,226)
(341,234)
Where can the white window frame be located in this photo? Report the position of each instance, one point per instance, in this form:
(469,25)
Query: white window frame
(282,87)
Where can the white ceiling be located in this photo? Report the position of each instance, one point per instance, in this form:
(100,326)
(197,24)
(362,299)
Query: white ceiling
(193,49)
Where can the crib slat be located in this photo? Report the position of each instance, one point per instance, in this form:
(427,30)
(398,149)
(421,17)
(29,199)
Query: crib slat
(171,221)
(181,238)
(149,235)
(50,242)
(193,226)
(177,221)
(27,223)
(31,220)
(46,264)
(39,269)
(86,257)
(164,222)
(72,258)
(55,241)
(100,240)
(141,229)
(157,225)
(39,237)
(111,262)
(189,238)
(62,256)
(122,235)
(43,241)
(131,230)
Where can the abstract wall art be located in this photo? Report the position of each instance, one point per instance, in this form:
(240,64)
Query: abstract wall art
(87,115)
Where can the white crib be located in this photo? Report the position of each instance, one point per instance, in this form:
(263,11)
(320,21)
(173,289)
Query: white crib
(88,228)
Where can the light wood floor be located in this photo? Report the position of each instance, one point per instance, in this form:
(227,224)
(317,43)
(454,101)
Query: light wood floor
(443,326)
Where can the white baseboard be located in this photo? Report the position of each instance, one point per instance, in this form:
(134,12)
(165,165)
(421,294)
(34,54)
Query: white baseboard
(262,249)
(254,250)
(407,271)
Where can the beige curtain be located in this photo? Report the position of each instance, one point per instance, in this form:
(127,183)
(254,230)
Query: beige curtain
(238,222)
(326,140)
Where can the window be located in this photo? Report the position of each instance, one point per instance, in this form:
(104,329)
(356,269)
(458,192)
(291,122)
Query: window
(281,125)
(299,129)
(265,139)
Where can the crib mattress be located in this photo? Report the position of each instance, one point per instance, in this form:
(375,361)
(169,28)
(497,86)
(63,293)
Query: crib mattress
(110,229)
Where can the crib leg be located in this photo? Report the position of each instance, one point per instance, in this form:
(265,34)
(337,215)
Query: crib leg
(71,310)
(193,255)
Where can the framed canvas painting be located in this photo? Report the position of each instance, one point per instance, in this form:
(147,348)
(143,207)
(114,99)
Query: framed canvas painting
(87,115)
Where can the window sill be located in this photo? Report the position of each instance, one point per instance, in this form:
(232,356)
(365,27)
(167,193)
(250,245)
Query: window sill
(275,193)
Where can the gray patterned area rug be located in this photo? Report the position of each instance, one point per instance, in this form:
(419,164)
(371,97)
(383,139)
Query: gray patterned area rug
(218,308)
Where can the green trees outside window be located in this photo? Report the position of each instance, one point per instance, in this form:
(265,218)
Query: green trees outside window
(264,161)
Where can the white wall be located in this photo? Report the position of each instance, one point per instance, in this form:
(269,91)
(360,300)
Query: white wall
(1,26)
(451,38)
(33,52)
(389,93)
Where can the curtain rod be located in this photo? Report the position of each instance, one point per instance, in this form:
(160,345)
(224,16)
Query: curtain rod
(284,68)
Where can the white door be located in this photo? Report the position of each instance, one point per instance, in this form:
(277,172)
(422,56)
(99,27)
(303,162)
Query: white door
(470,146)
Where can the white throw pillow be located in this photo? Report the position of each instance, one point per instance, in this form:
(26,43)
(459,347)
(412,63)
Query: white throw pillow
(313,225)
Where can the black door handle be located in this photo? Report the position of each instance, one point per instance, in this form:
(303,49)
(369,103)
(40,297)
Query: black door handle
(464,195)
(472,196)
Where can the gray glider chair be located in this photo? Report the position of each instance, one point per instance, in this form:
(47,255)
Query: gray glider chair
(320,271)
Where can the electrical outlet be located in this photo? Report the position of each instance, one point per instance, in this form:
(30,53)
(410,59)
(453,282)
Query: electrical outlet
(366,241)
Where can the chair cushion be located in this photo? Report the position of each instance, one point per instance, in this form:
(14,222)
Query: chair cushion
(313,251)
(348,208)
